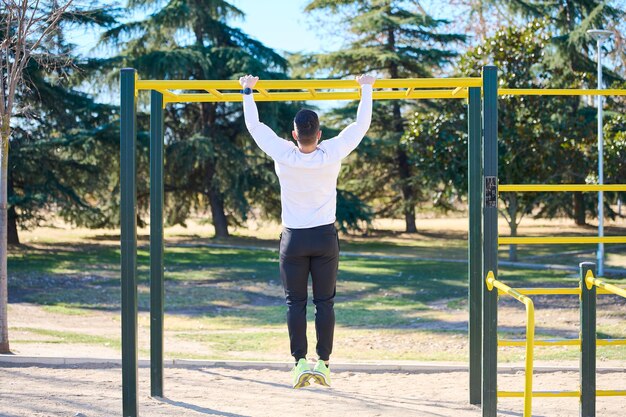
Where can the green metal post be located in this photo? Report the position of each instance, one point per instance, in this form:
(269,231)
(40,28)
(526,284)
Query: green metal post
(128,233)
(475,272)
(587,343)
(490,239)
(156,244)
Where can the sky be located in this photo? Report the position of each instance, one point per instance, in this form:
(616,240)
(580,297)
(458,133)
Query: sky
(279,24)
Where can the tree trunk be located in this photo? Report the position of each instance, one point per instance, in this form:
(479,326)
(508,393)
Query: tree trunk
(5,132)
(216,200)
(13,237)
(513,226)
(217,211)
(408,193)
(579,209)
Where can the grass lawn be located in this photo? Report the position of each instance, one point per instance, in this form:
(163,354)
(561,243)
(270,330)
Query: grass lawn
(224,303)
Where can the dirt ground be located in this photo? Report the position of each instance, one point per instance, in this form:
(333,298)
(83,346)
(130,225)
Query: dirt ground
(96,391)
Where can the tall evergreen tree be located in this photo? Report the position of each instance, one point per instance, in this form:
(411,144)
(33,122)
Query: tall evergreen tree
(394,39)
(210,161)
(571,58)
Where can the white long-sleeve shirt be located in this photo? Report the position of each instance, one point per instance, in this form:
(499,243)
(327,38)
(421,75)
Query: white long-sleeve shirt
(308,181)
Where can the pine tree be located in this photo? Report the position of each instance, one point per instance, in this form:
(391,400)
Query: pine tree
(393,39)
(210,159)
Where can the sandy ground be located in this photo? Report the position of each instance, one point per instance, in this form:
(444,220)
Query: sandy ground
(96,391)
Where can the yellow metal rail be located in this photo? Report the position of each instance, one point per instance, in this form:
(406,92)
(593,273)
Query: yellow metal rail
(610,393)
(550,394)
(547,291)
(590,281)
(560,92)
(560,187)
(561,342)
(530,336)
(559,240)
(298,90)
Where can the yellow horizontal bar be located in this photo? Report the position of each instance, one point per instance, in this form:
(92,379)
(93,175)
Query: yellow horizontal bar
(590,280)
(553,394)
(559,240)
(307,84)
(610,342)
(544,342)
(610,393)
(547,291)
(304,96)
(561,187)
(560,92)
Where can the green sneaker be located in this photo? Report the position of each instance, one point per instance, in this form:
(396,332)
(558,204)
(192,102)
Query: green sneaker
(301,374)
(321,374)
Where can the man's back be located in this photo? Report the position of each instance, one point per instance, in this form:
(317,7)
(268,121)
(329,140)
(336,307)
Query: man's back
(308,181)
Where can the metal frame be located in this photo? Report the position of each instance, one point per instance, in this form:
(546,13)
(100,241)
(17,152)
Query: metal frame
(164,92)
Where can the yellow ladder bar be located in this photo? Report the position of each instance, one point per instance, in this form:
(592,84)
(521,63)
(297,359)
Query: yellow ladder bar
(560,240)
(560,187)
(560,92)
(549,394)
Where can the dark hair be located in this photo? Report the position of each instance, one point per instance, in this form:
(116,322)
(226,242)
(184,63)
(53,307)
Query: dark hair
(307,125)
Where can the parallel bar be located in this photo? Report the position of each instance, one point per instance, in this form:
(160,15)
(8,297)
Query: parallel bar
(612,289)
(610,342)
(548,291)
(588,342)
(560,187)
(610,393)
(560,240)
(128,237)
(560,92)
(156,244)
(306,84)
(320,95)
(561,342)
(474,129)
(545,394)
(530,336)
(490,241)
(544,342)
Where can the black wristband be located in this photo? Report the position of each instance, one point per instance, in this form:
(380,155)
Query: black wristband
(247,91)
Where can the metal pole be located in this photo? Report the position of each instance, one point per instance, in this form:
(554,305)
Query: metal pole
(128,233)
(490,241)
(156,244)
(587,343)
(474,130)
(600,164)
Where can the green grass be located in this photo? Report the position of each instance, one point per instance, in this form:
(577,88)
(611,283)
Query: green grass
(230,302)
(58,337)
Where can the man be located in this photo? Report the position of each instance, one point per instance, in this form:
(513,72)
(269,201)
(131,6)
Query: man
(308,191)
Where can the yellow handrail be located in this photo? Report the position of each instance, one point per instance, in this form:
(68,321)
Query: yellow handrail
(590,281)
(560,187)
(560,92)
(530,336)
(559,240)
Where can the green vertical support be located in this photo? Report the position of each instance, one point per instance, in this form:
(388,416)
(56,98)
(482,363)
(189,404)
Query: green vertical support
(475,273)
(156,244)
(490,241)
(128,233)
(587,343)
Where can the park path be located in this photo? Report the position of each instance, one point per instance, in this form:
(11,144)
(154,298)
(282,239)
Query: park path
(95,391)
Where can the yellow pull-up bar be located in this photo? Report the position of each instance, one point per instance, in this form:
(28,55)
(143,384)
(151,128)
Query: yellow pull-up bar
(189,91)
(300,90)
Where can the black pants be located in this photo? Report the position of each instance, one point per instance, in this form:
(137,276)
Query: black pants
(314,250)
